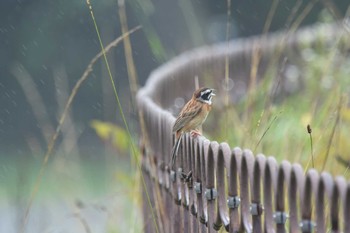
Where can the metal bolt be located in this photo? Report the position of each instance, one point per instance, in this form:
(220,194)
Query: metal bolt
(211,194)
(198,187)
(307,226)
(256,209)
(233,202)
(280,217)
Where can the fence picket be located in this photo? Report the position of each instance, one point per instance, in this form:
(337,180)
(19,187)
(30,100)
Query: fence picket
(227,188)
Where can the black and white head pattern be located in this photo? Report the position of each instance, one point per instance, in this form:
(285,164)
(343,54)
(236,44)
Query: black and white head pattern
(205,95)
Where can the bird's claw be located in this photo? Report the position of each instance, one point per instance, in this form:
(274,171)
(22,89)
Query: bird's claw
(195,133)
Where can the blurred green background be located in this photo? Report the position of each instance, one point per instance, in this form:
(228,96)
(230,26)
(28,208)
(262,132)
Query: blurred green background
(90,181)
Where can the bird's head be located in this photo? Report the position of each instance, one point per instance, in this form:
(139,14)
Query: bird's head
(204,94)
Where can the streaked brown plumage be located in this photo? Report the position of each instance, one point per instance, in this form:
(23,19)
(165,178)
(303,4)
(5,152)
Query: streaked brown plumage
(192,116)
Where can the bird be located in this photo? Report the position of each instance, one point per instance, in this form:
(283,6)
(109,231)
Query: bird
(192,116)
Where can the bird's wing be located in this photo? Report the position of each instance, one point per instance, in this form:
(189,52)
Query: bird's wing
(186,115)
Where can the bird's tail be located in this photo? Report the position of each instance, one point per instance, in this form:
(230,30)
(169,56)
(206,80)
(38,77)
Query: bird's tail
(175,151)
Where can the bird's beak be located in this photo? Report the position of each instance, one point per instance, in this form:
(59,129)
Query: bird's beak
(212,93)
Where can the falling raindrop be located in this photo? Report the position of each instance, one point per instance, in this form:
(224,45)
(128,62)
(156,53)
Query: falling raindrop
(292,78)
(227,85)
(327,82)
(179,102)
(308,54)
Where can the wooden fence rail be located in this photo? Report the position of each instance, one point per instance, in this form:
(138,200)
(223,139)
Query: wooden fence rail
(231,189)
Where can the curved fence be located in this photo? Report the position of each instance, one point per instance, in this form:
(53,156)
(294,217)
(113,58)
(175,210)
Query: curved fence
(230,189)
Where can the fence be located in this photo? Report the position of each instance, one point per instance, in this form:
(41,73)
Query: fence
(231,189)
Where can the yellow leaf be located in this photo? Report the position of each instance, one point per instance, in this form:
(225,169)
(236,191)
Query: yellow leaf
(113,133)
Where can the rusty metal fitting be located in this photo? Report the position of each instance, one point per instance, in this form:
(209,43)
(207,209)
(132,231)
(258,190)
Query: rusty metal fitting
(177,201)
(217,226)
(227,227)
(202,219)
(233,202)
(193,210)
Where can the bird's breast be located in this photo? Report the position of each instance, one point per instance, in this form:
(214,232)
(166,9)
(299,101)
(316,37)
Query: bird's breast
(198,119)
(204,113)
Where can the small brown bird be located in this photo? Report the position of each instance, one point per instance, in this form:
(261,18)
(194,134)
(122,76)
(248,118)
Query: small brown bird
(192,116)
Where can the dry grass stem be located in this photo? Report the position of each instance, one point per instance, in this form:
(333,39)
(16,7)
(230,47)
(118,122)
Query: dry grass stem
(34,99)
(51,144)
(336,123)
(265,132)
(131,69)
(309,131)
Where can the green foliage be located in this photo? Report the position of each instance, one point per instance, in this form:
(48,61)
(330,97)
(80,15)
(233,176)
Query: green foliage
(318,83)
(112,133)
(143,10)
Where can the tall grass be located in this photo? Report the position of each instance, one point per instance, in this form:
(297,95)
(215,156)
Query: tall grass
(62,118)
(315,92)
(277,124)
